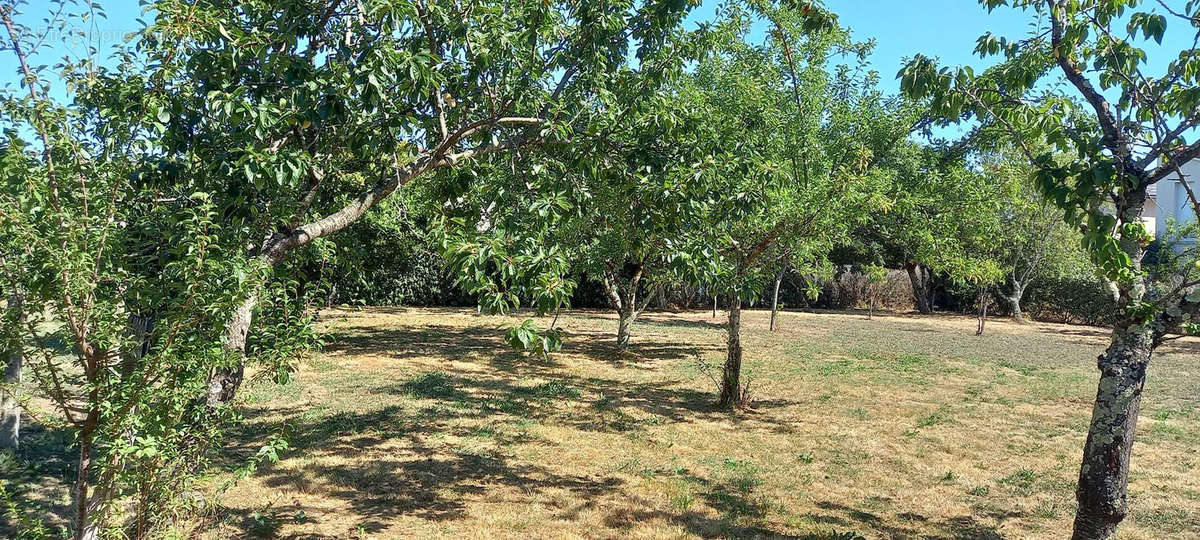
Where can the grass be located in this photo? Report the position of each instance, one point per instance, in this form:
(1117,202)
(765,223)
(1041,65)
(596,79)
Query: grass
(421,423)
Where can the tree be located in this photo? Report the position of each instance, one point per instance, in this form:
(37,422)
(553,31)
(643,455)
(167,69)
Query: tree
(933,200)
(783,268)
(1034,241)
(124,286)
(108,252)
(789,183)
(876,281)
(1122,130)
(300,117)
(626,194)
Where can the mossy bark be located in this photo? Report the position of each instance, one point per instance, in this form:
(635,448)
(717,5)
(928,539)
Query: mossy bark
(1104,472)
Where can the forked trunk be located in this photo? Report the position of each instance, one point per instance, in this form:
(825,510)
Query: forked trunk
(922,285)
(224,382)
(1104,473)
(731,389)
(622,289)
(10,408)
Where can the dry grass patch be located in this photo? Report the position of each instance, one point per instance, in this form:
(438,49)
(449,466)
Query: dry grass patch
(419,422)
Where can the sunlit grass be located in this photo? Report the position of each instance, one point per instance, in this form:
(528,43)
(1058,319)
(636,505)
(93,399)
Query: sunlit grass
(421,423)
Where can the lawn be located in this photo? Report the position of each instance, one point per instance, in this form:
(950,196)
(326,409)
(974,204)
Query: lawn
(420,423)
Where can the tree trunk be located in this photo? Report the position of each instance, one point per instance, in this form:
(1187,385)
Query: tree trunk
(731,389)
(922,285)
(775,296)
(1014,302)
(983,305)
(714,306)
(622,291)
(87,527)
(624,327)
(1104,473)
(10,409)
(224,383)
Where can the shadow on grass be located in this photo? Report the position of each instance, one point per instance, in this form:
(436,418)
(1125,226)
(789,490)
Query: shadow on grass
(487,344)
(424,476)
(35,478)
(385,459)
(957,528)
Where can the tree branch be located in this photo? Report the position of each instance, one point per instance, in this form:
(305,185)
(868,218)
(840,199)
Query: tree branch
(1104,114)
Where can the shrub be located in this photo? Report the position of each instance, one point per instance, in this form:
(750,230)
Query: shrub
(1072,300)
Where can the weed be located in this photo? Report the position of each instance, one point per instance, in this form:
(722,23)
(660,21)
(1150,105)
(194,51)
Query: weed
(551,390)
(1046,510)
(681,497)
(1021,482)
(841,368)
(913,362)
(264,525)
(434,384)
(940,416)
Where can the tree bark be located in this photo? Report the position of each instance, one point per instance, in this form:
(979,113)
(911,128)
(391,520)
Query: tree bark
(87,527)
(622,289)
(983,305)
(624,327)
(1014,301)
(775,295)
(224,382)
(922,285)
(1104,469)
(714,306)
(1104,473)
(10,408)
(731,389)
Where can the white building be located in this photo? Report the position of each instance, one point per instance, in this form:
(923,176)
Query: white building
(1171,201)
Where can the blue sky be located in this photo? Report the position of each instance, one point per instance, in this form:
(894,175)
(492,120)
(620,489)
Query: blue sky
(901,28)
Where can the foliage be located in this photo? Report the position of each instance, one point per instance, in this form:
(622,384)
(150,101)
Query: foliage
(136,283)
(1071,299)
(1095,168)
(528,337)
(389,257)
(783,153)
(286,330)
(1096,153)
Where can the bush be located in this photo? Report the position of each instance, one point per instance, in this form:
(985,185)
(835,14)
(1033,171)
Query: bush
(851,288)
(384,263)
(1072,300)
